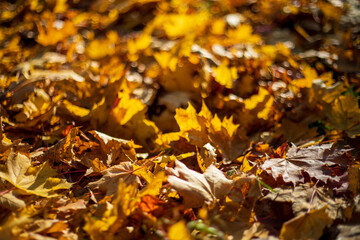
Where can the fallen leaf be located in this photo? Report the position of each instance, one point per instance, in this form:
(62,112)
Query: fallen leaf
(40,180)
(110,180)
(225,75)
(306,226)
(314,160)
(10,200)
(196,188)
(344,114)
(79,204)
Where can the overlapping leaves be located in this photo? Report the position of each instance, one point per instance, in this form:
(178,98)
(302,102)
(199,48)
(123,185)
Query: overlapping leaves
(171,119)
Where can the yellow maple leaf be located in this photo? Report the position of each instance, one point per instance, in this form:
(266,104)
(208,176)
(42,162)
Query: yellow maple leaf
(226,126)
(225,75)
(154,185)
(310,75)
(200,129)
(166,60)
(61,6)
(243,34)
(245,165)
(127,109)
(99,228)
(126,199)
(41,180)
(187,119)
(283,49)
(260,103)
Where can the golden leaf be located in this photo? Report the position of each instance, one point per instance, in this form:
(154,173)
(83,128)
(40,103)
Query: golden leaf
(225,75)
(260,103)
(306,226)
(344,114)
(243,34)
(42,183)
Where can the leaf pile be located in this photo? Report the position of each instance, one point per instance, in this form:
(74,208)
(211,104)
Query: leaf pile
(151,119)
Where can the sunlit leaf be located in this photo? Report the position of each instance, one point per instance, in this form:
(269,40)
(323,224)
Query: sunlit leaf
(41,180)
(306,226)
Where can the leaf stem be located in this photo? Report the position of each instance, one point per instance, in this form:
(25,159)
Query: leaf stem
(312,197)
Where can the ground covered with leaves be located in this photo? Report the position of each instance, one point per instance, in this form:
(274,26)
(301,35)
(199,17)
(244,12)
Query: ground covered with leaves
(150,119)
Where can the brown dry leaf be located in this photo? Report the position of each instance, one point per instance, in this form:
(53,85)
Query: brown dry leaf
(10,200)
(79,204)
(302,198)
(306,226)
(63,150)
(110,180)
(116,149)
(196,188)
(256,231)
(314,160)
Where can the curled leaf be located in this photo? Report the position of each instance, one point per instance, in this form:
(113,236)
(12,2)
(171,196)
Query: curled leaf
(196,188)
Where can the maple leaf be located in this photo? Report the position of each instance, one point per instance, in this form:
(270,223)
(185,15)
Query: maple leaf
(72,206)
(111,177)
(196,188)
(314,160)
(63,150)
(10,200)
(116,149)
(64,65)
(299,199)
(344,114)
(40,180)
(260,104)
(310,75)
(306,226)
(225,75)
(204,128)
(77,112)
(166,60)
(243,34)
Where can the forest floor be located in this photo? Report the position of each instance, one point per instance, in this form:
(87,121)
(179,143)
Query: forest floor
(150,119)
